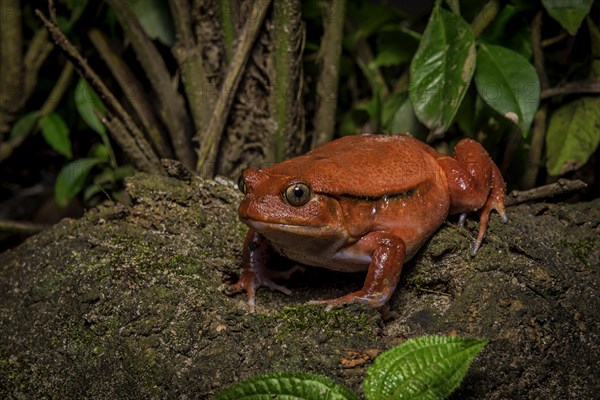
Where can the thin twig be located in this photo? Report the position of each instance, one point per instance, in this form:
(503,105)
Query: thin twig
(591,86)
(129,145)
(20,227)
(562,186)
(209,147)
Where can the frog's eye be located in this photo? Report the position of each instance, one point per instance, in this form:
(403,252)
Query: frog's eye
(241,185)
(297,194)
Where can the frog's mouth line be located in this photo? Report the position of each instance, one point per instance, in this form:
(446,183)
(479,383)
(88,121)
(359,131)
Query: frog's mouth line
(297,229)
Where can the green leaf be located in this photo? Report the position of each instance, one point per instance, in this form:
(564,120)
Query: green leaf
(428,367)
(373,106)
(399,116)
(286,386)
(56,133)
(508,83)
(510,29)
(395,46)
(568,13)
(371,18)
(442,68)
(87,101)
(24,126)
(573,135)
(155,18)
(71,178)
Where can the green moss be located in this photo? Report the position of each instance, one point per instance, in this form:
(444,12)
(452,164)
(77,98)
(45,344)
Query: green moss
(582,249)
(355,320)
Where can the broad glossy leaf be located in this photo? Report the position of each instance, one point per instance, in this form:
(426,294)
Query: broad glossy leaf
(428,367)
(87,101)
(24,126)
(442,68)
(508,83)
(56,133)
(573,135)
(568,13)
(286,386)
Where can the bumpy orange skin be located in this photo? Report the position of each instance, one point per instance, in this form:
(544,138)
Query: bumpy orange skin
(369,203)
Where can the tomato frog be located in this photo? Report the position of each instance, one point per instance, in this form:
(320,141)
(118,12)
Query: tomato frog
(362,202)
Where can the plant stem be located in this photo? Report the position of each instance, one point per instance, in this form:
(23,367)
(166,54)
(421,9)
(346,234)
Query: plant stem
(485,17)
(11,64)
(227,26)
(20,227)
(105,94)
(59,89)
(591,86)
(133,91)
(538,131)
(212,136)
(327,85)
(189,57)
(287,72)
(172,106)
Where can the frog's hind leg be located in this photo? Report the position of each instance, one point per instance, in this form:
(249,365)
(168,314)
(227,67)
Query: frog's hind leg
(474,184)
(387,255)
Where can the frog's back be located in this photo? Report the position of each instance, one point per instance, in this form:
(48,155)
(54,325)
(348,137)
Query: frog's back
(365,165)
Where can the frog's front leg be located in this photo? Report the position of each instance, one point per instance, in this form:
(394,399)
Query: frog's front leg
(255,255)
(387,255)
(474,184)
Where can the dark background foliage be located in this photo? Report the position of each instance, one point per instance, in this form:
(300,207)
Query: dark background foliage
(223,85)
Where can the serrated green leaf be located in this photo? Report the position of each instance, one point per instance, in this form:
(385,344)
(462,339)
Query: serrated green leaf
(428,367)
(24,126)
(286,386)
(573,135)
(71,178)
(508,83)
(568,13)
(56,133)
(442,68)
(155,18)
(86,102)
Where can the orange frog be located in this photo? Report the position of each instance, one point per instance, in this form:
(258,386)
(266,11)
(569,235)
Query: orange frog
(364,202)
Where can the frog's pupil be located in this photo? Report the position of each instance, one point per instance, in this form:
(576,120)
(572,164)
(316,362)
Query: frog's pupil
(298,192)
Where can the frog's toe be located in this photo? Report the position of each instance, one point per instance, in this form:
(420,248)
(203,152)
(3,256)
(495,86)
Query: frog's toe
(374,300)
(275,286)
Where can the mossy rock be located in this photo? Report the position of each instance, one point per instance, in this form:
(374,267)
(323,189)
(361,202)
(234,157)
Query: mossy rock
(126,303)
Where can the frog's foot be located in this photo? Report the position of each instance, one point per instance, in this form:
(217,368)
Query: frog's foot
(250,281)
(495,201)
(374,300)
